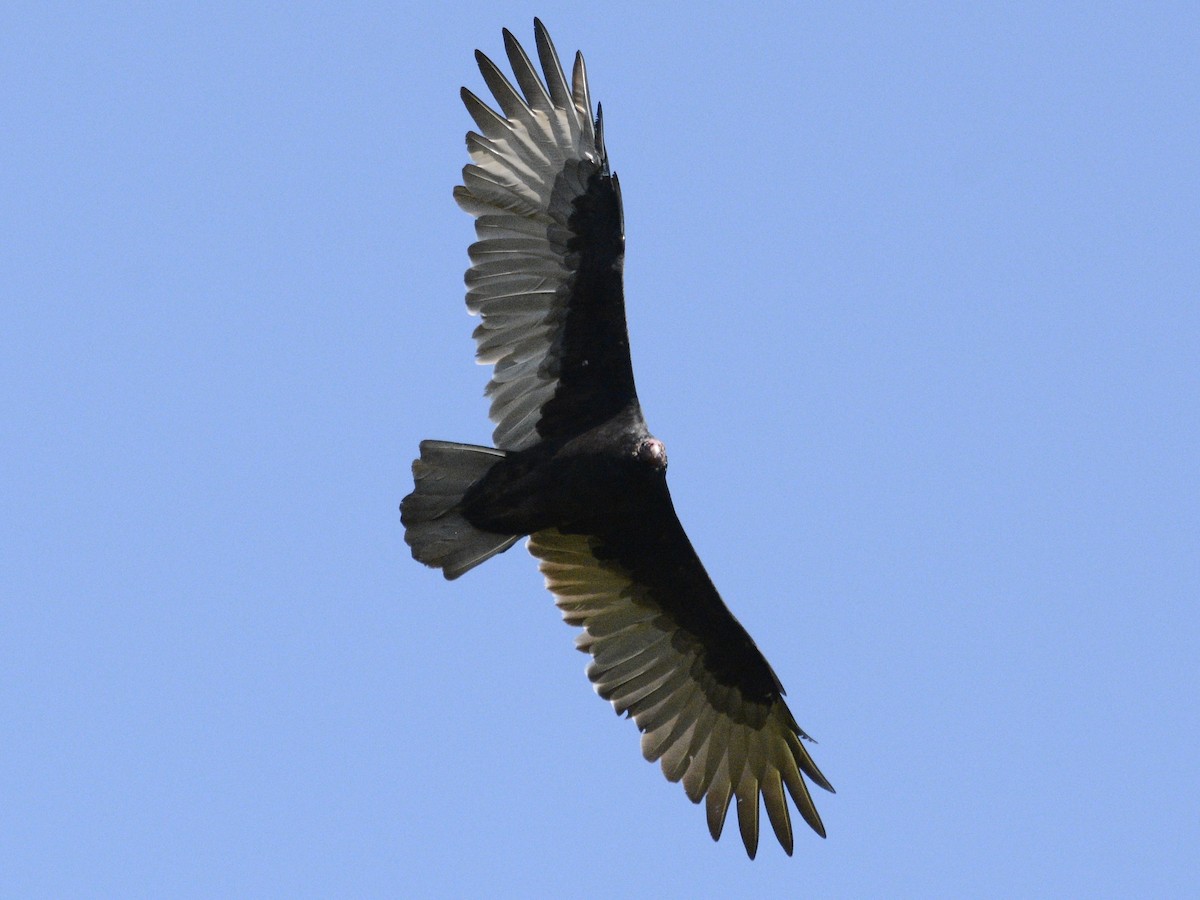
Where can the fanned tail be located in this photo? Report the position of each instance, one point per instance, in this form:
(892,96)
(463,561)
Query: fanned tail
(434,525)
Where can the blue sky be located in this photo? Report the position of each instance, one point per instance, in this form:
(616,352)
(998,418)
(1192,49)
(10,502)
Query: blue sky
(912,294)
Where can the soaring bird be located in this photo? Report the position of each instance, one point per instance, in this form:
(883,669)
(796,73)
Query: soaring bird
(575,468)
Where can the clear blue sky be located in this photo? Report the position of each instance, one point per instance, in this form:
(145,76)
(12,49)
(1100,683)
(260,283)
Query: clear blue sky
(913,299)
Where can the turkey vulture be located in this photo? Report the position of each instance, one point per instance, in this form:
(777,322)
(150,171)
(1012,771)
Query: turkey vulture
(576,469)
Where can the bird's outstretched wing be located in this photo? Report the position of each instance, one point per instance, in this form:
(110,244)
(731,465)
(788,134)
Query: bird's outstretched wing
(667,652)
(546,271)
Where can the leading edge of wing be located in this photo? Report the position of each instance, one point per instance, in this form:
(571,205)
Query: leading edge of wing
(545,275)
(724,740)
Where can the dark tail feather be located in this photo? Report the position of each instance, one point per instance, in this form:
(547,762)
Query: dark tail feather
(433,524)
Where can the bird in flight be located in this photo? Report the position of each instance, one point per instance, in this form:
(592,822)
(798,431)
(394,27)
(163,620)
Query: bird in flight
(575,468)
